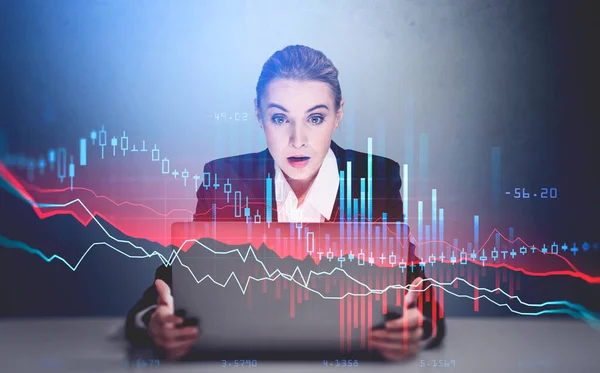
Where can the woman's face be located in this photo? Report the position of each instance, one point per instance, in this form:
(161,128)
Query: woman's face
(298,118)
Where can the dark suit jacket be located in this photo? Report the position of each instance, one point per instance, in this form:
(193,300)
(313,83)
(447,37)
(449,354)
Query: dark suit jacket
(248,172)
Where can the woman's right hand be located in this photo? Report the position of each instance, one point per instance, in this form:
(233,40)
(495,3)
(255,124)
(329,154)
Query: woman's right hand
(175,342)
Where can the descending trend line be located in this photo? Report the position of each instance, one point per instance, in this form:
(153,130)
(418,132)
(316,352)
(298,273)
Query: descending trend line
(573,309)
(30,186)
(574,273)
(19,190)
(118,204)
(37,189)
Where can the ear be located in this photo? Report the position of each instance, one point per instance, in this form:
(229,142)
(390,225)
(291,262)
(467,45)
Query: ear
(257,113)
(339,115)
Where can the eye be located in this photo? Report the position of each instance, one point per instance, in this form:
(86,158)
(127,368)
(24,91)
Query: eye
(278,119)
(319,118)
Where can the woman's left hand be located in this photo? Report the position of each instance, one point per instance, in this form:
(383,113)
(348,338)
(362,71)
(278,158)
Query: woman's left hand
(401,338)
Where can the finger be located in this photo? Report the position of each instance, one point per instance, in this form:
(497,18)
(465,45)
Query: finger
(173,344)
(189,321)
(379,334)
(164,293)
(174,333)
(170,320)
(409,321)
(164,316)
(402,337)
(407,337)
(393,346)
(414,290)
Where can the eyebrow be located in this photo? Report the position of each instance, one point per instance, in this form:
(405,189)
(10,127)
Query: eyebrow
(309,110)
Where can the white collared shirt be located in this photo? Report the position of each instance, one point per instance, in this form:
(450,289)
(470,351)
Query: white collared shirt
(320,198)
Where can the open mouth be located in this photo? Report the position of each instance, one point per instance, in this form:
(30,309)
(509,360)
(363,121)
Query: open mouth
(298,161)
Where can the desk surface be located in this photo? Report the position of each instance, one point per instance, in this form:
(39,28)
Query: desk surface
(475,345)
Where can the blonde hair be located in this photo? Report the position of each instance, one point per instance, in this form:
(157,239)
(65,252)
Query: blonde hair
(299,62)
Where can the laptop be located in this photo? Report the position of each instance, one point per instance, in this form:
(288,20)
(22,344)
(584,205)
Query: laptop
(288,290)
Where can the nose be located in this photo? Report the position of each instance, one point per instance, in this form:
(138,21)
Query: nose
(298,137)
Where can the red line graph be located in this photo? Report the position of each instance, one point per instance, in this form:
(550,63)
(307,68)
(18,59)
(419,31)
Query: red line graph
(22,188)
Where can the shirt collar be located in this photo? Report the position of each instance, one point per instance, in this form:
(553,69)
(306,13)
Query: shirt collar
(323,191)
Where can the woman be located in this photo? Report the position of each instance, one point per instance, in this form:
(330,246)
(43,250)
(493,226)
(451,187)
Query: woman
(298,105)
